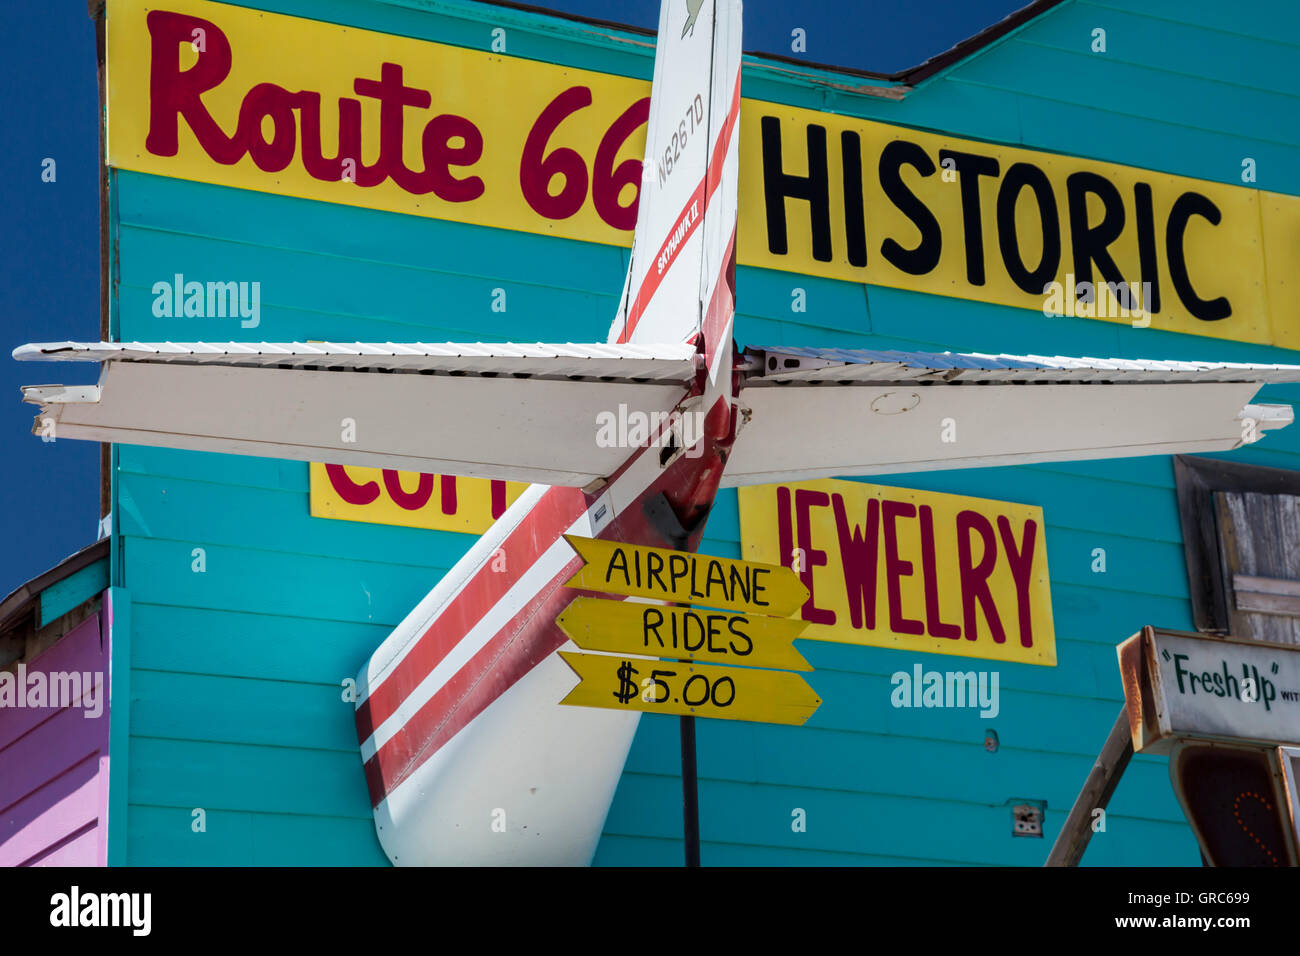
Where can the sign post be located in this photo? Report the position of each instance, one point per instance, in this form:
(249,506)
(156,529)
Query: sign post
(690,792)
(745,628)
(1226,712)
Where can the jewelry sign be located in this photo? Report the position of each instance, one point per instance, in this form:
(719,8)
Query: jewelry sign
(916,570)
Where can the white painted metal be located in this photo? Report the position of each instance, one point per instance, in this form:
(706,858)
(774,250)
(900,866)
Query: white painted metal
(517,429)
(526,782)
(618,362)
(802,432)
(61,394)
(668,242)
(1248,708)
(885,367)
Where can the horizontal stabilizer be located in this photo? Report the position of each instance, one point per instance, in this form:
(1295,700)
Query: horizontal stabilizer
(518,412)
(622,362)
(817,413)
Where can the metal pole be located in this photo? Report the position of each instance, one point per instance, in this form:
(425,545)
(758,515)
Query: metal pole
(1096,793)
(690,793)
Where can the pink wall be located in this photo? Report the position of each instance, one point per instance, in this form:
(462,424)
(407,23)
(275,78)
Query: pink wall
(54,789)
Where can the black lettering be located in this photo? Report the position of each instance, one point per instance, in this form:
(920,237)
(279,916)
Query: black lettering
(654,564)
(733,625)
(778,185)
(1016,179)
(690,617)
(1091,242)
(760,587)
(1186,206)
(715,629)
(739,583)
(1146,230)
(678,566)
(647,626)
(719,576)
(855,226)
(971,166)
(618,561)
(925,256)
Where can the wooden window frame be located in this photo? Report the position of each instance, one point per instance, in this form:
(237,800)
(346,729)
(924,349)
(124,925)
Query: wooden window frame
(1197,479)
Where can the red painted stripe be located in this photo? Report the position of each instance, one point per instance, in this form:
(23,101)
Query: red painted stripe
(705,190)
(723,303)
(522,643)
(549,518)
(516,649)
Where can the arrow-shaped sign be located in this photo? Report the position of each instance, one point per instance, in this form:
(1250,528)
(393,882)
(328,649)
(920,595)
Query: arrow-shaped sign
(717,637)
(684,578)
(689,689)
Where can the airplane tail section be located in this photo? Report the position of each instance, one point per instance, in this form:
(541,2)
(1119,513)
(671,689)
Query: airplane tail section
(681,275)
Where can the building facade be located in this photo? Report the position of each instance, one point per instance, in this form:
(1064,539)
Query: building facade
(245,594)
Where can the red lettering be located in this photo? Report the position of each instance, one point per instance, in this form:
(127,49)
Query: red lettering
(607,182)
(784,526)
(268,100)
(410,501)
(448,488)
(348,489)
(975,577)
(860,555)
(498,498)
(896,569)
(175,93)
(936,626)
(1021,561)
(805,500)
(393,95)
(313,146)
(440,156)
(537,169)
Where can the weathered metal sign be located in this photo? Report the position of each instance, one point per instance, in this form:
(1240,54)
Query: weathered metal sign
(1180,685)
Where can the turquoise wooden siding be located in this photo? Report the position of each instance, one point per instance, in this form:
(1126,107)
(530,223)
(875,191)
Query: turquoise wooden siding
(235,673)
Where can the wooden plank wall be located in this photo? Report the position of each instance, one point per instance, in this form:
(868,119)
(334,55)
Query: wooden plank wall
(54,791)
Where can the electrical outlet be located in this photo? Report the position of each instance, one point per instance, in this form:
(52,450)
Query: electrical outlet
(1027,818)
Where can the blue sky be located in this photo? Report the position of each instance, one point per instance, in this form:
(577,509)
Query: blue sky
(49,270)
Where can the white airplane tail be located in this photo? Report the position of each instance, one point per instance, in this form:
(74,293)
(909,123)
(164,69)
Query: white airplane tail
(681,275)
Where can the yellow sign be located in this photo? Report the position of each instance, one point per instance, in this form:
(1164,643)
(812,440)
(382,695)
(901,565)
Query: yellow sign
(690,690)
(613,567)
(719,637)
(257,100)
(914,570)
(412,499)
